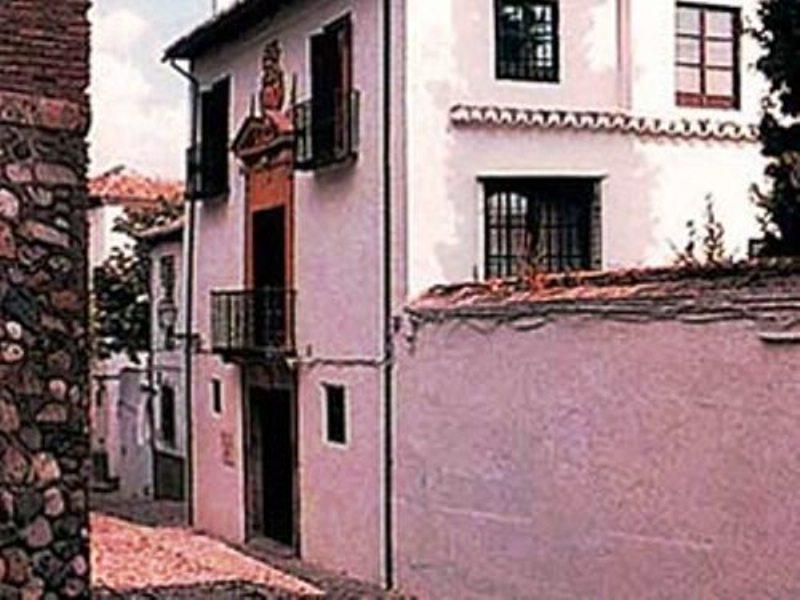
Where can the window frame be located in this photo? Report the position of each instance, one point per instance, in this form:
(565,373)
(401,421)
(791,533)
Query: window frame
(584,189)
(327,388)
(217,401)
(703,99)
(551,74)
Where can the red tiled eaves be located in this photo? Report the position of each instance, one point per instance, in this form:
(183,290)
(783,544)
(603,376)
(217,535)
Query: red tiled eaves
(763,281)
(613,122)
(122,185)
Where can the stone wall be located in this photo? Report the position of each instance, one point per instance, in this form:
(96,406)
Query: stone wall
(43,369)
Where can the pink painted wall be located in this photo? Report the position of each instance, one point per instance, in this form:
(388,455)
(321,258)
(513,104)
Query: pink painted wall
(219,470)
(341,517)
(598,459)
(338,262)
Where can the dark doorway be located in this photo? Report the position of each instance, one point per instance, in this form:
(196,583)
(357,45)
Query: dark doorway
(272,465)
(269,248)
(269,279)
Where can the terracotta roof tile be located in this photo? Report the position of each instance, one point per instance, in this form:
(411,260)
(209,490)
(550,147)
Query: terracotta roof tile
(779,278)
(123,185)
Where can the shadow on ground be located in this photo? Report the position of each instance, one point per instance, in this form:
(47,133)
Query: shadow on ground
(218,591)
(141,512)
(135,544)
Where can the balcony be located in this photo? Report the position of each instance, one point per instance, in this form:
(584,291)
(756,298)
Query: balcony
(327,133)
(254,324)
(206,174)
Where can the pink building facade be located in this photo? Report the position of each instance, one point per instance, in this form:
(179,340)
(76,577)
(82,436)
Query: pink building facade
(623,439)
(363,155)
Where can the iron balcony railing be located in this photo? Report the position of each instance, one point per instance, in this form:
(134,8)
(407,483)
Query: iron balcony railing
(205,180)
(327,133)
(257,322)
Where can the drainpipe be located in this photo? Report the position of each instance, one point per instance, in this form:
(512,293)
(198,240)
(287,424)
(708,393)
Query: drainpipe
(388,333)
(151,372)
(191,197)
(624,54)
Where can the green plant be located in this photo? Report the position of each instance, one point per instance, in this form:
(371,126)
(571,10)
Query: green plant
(706,245)
(120,286)
(779,36)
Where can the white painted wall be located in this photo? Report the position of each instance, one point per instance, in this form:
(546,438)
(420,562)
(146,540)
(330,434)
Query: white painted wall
(102,237)
(168,363)
(651,188)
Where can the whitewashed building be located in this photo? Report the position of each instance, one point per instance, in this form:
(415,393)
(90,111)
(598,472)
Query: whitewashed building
(127,457)
(353,153)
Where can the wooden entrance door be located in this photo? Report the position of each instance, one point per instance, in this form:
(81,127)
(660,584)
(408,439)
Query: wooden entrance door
(272,460)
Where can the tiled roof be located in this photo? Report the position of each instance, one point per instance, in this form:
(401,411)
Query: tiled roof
(667,288)
(226,25)
(122,186)
(587,120)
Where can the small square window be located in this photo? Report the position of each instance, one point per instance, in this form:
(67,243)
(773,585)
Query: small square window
(216,396)
(336,414)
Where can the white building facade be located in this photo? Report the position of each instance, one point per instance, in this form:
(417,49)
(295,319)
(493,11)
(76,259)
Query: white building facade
(385,147)
(134,453)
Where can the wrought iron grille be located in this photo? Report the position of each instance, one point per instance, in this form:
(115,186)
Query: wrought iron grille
(254,322)
(327,134)
(527,39)
(538,222)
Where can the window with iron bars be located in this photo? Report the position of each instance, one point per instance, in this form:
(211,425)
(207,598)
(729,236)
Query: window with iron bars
(527,39)
(547,224)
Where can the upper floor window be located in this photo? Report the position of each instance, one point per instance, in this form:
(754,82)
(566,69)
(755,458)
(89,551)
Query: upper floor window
(547,223)
(327,124)
(707,56)
(527,39)
(214,131)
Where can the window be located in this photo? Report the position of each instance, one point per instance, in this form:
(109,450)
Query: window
(527,45)
(216,396)
(168,429)
(327,124)
(215,106)
(166,270)
(546,222)
(336,414)
(707,56)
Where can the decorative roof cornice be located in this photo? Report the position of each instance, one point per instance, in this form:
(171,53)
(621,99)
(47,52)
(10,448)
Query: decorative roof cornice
(612,122)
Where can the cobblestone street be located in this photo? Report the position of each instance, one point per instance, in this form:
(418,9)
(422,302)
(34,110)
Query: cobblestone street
(143,551)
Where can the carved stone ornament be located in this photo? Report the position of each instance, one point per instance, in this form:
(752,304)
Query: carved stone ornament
(273,90)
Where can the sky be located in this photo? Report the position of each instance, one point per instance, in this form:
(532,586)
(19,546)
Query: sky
(140,105)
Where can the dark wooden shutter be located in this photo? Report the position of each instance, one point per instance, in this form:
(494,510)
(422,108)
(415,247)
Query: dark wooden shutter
(215,135)
(323,94)
(331,53)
